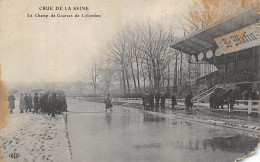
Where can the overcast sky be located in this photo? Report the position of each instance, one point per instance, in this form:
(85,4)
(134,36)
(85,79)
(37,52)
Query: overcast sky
(58,49)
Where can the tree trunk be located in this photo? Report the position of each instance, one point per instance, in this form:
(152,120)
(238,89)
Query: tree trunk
(168,78)
(143,74)
(127,81)
(181,70)
(108,89)
(155,76)
(133,75)
(123,80)
(95,89)
(175,71)
(149,75)
(138,73)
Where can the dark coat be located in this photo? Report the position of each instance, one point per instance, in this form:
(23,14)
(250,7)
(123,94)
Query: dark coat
(108,103)
(233,96)
(30,101)
(151,98)
(63,103)
(11,101)
(174,100)
(36,101)
(163,99)
(157,97)
(188,101)
(225,95)
(52,99)
(26,100)
(145,98)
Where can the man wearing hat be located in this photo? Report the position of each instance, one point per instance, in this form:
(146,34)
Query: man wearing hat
(163,102)
(11,103)
(157,100)
(26,100)
(36,103)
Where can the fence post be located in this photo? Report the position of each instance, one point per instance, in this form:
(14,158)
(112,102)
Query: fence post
(249,106)
(198,104)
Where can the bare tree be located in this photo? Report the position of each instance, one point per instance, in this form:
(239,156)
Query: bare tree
(107,78)
(142,50)
(94,75)
(117,49)
(153,42)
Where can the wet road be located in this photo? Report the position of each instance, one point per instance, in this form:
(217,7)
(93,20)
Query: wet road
(133,135)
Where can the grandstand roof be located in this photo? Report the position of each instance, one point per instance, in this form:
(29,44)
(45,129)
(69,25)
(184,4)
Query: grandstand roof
(203,40)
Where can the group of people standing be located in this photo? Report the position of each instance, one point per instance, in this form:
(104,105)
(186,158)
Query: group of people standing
(49,102)
(229,96)
(159,98)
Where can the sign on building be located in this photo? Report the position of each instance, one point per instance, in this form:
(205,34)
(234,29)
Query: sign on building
(239,40)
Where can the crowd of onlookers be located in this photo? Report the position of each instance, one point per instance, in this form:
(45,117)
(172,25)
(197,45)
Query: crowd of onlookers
(156,101)
(49,102)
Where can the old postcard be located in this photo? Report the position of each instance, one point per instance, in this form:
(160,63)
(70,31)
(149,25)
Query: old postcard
(129,80)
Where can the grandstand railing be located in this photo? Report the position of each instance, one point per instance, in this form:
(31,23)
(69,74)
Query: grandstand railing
(205,94)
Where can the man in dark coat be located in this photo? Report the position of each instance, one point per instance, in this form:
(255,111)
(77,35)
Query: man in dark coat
(174,101)
(188,101)
(151,101)
(232,98)
(52,100)
(36,103)
(30,100)
(59,104)
(44,102)
(224,97)
(41,102)
(11,103)
(212,99)
(63,103)
(157,100)
(108,103)
(163,102)
(26,100)
(145,98)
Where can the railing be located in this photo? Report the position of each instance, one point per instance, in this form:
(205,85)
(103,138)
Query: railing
(205,94)
(250,105)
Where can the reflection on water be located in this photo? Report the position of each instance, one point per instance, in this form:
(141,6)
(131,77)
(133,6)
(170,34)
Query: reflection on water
(152,118)
(234,144)
(108,117)
(151,145)
(238,143)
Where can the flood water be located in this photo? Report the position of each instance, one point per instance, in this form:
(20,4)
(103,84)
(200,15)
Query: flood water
(132,135)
